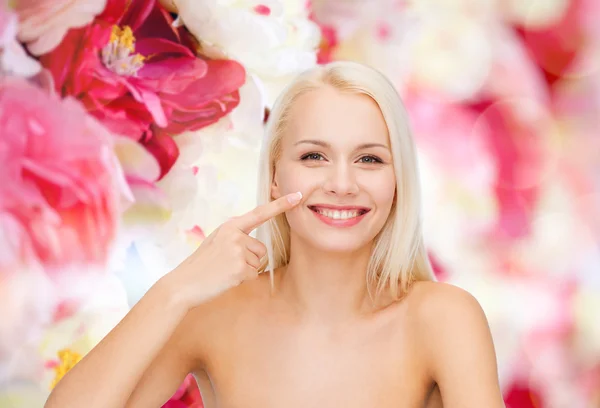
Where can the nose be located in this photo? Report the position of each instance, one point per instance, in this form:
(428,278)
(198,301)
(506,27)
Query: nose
(341,180)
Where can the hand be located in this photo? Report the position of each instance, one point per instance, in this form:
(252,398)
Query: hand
(227,257)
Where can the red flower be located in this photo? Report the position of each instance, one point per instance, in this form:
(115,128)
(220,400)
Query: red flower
(142,78)
(520,395)
(187,396)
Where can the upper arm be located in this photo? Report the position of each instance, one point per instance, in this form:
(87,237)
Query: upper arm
(458,347)
(167,371)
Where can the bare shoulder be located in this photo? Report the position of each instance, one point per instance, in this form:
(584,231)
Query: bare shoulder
(436,304)
(458,348)
(441,312)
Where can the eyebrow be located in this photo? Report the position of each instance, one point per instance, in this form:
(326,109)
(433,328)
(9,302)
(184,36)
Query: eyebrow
(327,145)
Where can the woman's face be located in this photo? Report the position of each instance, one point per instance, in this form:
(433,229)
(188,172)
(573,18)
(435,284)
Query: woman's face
(336,151)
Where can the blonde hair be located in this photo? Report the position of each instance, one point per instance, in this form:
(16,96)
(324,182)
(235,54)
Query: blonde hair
(398,257)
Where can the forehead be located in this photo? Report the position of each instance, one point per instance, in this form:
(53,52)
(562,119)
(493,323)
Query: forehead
(339,118)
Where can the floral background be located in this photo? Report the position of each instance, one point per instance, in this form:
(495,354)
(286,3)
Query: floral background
(130,129)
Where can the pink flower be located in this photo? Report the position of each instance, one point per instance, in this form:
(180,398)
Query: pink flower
(60,183)
(44,23)
(141,77)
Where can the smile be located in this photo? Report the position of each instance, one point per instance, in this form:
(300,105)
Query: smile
(339,216)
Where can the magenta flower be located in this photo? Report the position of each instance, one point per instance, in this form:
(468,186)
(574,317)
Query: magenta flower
(142,78)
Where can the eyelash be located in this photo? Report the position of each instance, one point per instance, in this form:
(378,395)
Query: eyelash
(376,159)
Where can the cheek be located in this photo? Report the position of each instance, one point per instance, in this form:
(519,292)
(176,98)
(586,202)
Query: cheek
(382,188)
(291,178)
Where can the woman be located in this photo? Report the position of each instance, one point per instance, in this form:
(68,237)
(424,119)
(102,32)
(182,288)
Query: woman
(349,314)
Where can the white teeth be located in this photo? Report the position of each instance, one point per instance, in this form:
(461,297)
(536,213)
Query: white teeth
(338,215)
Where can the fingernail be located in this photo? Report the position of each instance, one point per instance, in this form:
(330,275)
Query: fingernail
(295,198)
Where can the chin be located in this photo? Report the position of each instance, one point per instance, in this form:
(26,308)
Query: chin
(332,243)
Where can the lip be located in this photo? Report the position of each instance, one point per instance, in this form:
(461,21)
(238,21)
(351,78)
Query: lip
(339,223)
(340,207)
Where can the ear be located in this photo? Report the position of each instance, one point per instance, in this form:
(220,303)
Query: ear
(275,192)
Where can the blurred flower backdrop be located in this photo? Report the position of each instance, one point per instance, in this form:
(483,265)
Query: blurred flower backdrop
(130,129)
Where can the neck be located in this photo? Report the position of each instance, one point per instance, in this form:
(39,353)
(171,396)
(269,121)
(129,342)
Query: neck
(327,286)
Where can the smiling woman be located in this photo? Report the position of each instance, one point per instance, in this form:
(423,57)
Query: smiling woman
(349,314)
(340,135)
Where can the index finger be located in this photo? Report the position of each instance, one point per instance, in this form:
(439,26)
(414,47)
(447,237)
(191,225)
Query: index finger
(265,212)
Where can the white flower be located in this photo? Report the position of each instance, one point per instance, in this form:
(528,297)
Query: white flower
(13,59)
(213,180)
(450,53)
(19,394)
(44,23)
(28,298)
(273,39)
(534,14)
(30,333)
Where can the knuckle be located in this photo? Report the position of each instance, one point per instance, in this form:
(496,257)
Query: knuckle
(256,214)
(238,238)
(231,236)
(238,251)
(263,248)
(261,251)
(223,230)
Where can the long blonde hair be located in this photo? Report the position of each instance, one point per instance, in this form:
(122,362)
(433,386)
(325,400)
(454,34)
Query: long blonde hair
(398,257)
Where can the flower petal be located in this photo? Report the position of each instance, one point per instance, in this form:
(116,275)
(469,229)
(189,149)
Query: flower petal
(156,46)
(162,146)
(173,75)
(158,24)
(137,12)
(149,98)
(44,23)
(223,77)
(136,161)
(150,205)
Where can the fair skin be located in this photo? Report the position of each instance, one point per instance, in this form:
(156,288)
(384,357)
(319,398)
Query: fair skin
(317,340)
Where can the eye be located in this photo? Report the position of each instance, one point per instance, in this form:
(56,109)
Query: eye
(312,156)
(370,159)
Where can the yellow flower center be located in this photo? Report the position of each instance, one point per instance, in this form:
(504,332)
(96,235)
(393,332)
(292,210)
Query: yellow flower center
(68,359)
(119,54)
(123,37)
